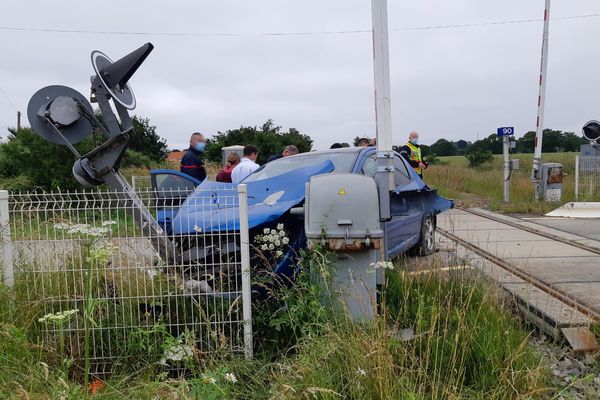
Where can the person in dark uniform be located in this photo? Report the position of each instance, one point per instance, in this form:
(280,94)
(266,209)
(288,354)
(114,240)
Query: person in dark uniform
(289,150)
(192,162)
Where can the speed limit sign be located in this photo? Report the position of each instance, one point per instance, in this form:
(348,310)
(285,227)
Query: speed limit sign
(506,131)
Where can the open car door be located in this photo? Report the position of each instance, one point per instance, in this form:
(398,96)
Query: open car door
(171,188)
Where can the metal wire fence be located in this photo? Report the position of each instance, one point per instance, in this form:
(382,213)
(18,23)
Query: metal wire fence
(587,178)
(179,287)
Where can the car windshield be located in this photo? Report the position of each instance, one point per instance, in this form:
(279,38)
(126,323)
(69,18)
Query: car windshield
(342,162)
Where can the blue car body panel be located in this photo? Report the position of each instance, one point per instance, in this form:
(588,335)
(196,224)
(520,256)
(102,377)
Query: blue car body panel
(213,208)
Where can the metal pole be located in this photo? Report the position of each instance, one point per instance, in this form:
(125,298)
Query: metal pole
(18,121)
(246,278)
(576,178)
(505,147)
(5,240)
(539,130)
(383,113)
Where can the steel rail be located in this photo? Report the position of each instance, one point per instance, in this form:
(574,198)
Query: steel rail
(582,246)
(527,277)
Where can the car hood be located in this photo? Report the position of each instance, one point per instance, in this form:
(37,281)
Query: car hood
(214,206)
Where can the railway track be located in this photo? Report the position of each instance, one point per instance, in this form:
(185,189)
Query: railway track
(526,276)
(539,232)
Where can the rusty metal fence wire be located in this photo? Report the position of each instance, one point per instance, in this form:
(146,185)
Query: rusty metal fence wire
(587,178)
(68,251)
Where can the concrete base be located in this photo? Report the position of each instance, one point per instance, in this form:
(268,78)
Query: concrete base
(577,210)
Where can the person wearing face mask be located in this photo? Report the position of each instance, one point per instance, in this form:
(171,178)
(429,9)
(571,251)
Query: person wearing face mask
(412,153)
(192,162)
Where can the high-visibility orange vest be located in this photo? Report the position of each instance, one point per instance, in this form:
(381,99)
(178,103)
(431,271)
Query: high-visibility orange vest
(415,155)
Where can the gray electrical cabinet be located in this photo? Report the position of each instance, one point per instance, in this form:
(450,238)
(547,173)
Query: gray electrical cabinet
(552,177)
(226,151)
(342,215)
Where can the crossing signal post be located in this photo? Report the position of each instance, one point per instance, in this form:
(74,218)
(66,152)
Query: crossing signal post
(509,165)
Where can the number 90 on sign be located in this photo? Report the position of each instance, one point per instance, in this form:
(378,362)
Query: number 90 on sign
(506,131)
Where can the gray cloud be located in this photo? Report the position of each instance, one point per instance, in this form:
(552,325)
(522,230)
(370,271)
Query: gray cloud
(449,83)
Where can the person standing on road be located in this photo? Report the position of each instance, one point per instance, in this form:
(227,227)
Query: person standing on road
(411,151)
(289,150)
(247,166)
(192,162)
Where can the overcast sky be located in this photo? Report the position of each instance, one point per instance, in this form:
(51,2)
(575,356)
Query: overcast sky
(453,83)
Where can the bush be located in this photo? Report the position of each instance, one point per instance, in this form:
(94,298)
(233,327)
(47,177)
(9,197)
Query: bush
(18,183)
(479,157)
(433,159)
(269,139)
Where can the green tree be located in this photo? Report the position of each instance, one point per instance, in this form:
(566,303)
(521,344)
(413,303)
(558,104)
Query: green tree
(269,139)
(553,141)
(443,147)
(492,144)
(28,162)
(146,141)
(478,157)
(37,164)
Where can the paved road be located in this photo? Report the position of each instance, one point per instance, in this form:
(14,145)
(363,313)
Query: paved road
(588,227)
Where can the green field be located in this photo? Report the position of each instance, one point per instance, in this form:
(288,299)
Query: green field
(482,187)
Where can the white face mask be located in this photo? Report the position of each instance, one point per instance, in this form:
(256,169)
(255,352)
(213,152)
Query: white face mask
(414,140)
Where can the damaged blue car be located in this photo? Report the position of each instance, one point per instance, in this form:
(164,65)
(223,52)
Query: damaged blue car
(276,194)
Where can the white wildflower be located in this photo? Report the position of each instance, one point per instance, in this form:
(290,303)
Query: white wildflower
(383,265)
(109,222)
(285,240)
(178,352)
(212,381)
(279,253)
(229,377)
(273,232)
(61,226)
(271,246)
(266,231)
(58,317)
(361,372)
(282,233)
(197,229)
(279,227)
(264,247)
(277,242)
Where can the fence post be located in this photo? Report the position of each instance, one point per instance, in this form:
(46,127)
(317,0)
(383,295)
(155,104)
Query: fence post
(576,178)
(5,241)
(246,279)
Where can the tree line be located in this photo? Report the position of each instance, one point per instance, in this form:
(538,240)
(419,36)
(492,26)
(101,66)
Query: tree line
(28,162)
(554,141)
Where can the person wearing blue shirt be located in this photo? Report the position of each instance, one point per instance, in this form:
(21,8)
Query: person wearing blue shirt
(192,162)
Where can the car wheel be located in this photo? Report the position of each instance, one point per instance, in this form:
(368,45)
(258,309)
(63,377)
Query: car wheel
(426,244)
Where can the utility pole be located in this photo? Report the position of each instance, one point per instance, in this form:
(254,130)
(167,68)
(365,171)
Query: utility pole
(18,121)
(383,112)
(539,131)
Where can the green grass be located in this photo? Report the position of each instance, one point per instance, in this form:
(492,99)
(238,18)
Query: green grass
(483,187)
(467,345)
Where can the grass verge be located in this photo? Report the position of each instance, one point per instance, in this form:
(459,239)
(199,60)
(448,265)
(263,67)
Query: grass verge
(440,336)
(483,187)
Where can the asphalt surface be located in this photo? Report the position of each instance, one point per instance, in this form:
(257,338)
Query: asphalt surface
(587,227)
